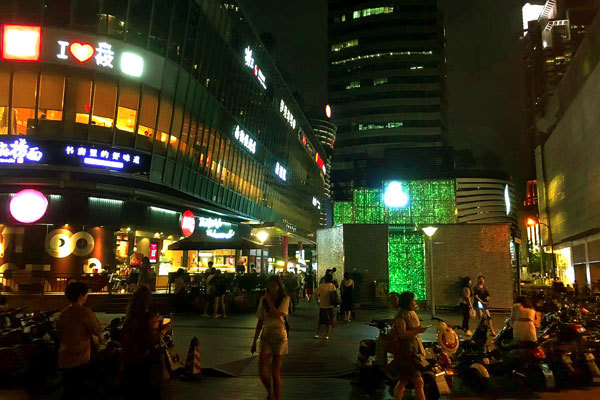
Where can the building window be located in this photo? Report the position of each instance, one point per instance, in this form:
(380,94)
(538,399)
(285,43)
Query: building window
(127,111)
(4,86)
(344,45)
(389,125)
(23,97)
(105,96)
(372,11)
(77,100)
(380,81)
(344,18)
(51,97)
(147,119)
(353,85)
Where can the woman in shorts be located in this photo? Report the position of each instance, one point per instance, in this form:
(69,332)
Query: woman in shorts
(272,311)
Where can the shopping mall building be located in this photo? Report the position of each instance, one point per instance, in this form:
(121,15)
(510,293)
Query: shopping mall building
(148,128)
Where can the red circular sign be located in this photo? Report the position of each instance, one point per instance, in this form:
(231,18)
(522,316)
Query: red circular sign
(188,223)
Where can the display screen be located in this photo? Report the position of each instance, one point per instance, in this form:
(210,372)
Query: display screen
(153,253)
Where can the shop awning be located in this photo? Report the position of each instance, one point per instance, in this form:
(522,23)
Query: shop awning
(203,243)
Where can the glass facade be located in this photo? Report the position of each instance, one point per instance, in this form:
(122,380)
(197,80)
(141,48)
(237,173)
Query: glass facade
(188,125)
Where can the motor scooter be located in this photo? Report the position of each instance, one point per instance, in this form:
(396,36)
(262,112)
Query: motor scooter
(373,359)
(527,362)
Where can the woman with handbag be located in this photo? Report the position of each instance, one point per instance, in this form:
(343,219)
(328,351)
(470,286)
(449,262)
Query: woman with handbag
(325,294)
(143,356)
(407,348)
(273,330)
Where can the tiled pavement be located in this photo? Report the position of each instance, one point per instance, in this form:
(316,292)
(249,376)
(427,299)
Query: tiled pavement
(309,370)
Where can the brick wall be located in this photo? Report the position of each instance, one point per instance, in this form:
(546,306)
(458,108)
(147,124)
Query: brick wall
(472,250)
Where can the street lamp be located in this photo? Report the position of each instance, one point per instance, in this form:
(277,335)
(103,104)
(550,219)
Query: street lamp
(430,231)
(262,237)
(532,221)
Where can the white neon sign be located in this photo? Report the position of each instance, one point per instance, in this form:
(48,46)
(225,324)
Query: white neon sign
(316,203)
(245,139)
(102,158)
(211,223)
(287,114)
(281,172)
(19,152)
(250,63)
(103,54)
(220,235)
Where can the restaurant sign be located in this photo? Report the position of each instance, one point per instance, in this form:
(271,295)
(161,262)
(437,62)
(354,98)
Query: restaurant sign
(19,151)
(216,228)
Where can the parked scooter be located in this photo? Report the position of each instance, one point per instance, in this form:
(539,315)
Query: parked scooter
(571,353)
(373,359)
(525,362)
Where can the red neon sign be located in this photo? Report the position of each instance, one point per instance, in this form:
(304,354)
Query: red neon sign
(21,42)
(81,51)
(188,223)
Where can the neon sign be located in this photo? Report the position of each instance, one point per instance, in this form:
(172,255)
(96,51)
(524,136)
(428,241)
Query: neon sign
(316,203)
(188,223)
(220,235)
(250,63)
(212,226)
(21,42)
(103,54)
(19,152)
(102,158)
(28,206)
(287,114)
(281,172)
(245,139)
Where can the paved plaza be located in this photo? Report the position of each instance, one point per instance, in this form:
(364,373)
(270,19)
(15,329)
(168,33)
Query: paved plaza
(314,369)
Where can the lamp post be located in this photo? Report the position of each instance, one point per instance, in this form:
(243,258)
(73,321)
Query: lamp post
(262,237)
(430,231)
(532,222)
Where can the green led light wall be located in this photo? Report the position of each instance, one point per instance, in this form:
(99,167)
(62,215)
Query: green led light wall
(429,202)
(406,263)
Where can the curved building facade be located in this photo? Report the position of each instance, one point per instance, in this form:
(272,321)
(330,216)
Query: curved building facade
(326,133)
(124,115)
(386,69)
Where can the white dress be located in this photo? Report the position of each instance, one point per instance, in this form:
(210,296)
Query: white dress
(523,320)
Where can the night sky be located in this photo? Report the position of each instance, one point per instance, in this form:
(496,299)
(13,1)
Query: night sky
(485,79)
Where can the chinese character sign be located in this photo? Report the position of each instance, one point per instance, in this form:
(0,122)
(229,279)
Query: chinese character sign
(249,62)
(245,139)
(107,158)
(287,114)
(19,152)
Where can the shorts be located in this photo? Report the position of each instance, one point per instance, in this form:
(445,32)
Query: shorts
(273,344)
(326,316)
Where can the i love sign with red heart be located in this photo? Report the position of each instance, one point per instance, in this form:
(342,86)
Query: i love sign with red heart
(82,52)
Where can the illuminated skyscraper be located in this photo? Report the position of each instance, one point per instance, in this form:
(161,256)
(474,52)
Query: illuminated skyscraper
(386,85)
